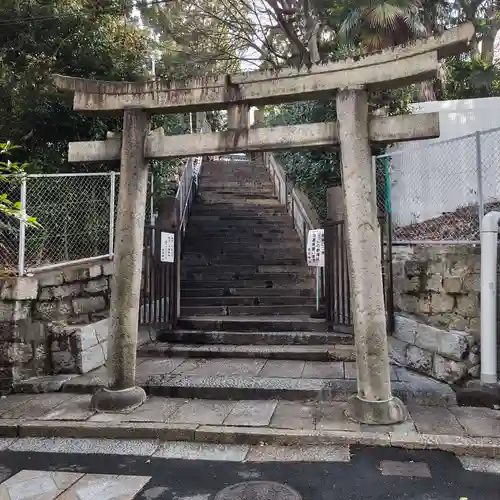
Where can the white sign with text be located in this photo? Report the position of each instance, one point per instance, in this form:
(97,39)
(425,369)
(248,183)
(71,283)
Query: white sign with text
(167,247)
(316,248)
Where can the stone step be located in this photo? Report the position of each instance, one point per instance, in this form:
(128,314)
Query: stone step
(202,211)
(269,245)
(243,258)
(251,269)
(204,216)
(277,300)
(253,256)
(246,292)
(230,379)
(237,252)
(242,226)
(257,338)
(239,310)
(238,206)
(281,352)
(252,323)
(279,283)
(210,191)
(211,274)
(251,234)
(237,221)
(237,184)
(212,239)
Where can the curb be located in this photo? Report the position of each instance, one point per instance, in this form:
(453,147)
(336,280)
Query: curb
(484,447)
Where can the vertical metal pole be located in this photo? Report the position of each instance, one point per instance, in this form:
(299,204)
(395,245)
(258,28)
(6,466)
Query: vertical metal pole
(479,173)
(152,207)
(22,227)
(374,180)
(111,243)
(318,286)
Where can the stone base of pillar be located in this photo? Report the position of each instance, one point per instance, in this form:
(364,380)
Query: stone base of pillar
(107,400)
(392,411)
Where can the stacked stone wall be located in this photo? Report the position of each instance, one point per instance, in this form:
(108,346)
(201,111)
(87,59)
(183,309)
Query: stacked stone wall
(41,314)
(437,296)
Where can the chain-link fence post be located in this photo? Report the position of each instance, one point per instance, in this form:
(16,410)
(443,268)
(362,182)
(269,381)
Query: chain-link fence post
(112,191)
(479,168)
(22,225)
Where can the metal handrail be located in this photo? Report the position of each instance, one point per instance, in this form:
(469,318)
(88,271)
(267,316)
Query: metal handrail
(188,184)
(295,201)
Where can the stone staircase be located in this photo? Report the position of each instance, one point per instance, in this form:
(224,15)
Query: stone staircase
(242,258)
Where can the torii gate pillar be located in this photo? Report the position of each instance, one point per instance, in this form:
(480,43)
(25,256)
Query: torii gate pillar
(374,403)
(122,392)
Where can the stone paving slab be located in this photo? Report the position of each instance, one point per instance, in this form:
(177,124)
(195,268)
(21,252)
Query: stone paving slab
(475,431)
(253,379)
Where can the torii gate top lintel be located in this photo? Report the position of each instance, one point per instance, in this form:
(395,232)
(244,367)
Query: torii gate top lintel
(391,68)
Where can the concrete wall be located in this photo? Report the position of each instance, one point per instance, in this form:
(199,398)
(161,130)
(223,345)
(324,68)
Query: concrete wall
(436,293)
(434,176)
(49,313)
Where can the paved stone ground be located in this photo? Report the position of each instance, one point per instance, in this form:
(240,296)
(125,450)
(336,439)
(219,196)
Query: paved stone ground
(236,378)
(463,430)
(88,470)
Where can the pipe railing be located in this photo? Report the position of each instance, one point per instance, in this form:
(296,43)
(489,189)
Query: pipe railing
(296,202)
(489,255)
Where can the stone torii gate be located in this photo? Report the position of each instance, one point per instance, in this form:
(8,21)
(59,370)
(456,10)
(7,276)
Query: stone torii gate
(351,80)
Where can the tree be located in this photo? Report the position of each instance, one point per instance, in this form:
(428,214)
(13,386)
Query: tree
(73,37)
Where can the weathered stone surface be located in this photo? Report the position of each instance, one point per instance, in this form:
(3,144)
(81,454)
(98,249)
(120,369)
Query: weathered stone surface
(455,304)
(419,359)
(452,284)
(97,286)
(468,304)
(415,268)
(405,328)
(14,311)
(75,274)
(85,305)
(92,358)
(424,305)
(51,278)
(448,370)
(60,292)
(19,288)
(108,268)
(53,310)
(101,329)
(434,283)
(397,351)
(441,303)
(452,344)
(95,271)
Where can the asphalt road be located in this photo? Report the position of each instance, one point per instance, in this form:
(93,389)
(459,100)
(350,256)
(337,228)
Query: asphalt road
(363,477)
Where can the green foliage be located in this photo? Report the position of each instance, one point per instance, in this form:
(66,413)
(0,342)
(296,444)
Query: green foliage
(470,79)
(378,24)
(312,171)
(315,171)
(10,173)
(73,37)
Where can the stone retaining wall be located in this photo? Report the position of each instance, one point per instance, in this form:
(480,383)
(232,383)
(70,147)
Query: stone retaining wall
(436,288)
(449,356)
(36,312)
(440,284)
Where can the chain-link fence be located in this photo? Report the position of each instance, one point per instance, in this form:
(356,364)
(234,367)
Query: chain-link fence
(438,193)
(76,213)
